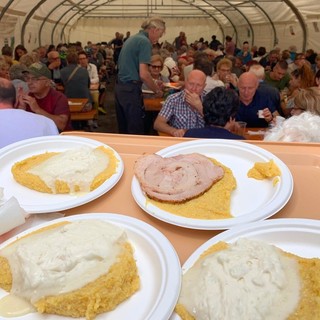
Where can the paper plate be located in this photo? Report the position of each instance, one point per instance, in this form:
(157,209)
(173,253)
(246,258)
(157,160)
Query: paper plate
(298,236)
(252,200)
(158,266)
(37,202)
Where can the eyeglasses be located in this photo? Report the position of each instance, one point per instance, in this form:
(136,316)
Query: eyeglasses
(155,67)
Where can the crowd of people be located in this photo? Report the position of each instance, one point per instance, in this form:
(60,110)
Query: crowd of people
(221,84)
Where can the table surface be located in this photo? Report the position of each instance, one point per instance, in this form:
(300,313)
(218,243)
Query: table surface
(153,104)
(302,159)
(76,104)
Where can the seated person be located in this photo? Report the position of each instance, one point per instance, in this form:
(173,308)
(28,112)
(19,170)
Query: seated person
(253,99)
(92,69)
(219,108)
(43,99)
(17,77)
(278,77)
(269,90)
(201,62)
(183,110)
(304,127)
(224,73)
(170,67)
(54,65)
(155,67)
(17,124)
(307,99)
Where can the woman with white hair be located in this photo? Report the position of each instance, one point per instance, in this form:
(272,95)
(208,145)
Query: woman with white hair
(301,128)
(304,125)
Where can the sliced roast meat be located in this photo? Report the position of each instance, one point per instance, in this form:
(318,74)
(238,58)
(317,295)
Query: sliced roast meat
(176,179)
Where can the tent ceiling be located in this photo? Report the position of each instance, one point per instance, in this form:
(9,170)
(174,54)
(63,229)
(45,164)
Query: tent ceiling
(60,16)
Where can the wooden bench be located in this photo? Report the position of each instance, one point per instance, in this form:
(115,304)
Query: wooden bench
(81,116)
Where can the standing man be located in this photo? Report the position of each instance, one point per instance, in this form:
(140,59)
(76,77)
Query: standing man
(229,46)
(133,70)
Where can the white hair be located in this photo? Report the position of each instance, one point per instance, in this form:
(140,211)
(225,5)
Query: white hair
(258,70)
(304,127)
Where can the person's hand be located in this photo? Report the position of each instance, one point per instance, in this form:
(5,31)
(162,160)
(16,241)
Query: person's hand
(54,65)
(267,115)
(159,94)
(193,100)
(20,104)
(232,125)
(178,132)
(31,102)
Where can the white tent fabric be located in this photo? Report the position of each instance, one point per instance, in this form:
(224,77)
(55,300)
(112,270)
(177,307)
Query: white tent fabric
(266,23)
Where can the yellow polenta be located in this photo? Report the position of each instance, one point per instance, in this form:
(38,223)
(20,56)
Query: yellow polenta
(213,204)
(264,170)
(101,295)
(309,271)
(21,173)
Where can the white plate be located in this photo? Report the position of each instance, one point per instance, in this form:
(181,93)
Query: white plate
(147,91)
(158,265)
(37,202)
(252,200)
(298,236)
(173,85)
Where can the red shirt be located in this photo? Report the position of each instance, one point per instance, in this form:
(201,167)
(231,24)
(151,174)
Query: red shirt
(56,103)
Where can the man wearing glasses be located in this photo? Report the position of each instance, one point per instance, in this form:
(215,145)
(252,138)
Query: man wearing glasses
(133,70)
(54,65)
(43,99)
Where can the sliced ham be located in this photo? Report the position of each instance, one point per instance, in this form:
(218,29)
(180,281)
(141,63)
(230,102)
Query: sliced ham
(176,179)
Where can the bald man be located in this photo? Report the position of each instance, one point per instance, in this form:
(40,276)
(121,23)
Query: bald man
(17,124)
(183,110)
(253,99)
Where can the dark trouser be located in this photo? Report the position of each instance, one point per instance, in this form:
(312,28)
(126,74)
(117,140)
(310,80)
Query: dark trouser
(129,108)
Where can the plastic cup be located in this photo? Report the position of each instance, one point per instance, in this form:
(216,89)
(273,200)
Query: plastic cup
(241,128)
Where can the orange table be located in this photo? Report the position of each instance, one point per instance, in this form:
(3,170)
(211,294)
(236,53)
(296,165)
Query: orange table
(255,133)
(153,104)
(76,104)
(302,159)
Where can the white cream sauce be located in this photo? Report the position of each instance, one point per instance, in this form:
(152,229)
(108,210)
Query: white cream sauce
(250,280)
(12,306)
(63,259)
(76,167)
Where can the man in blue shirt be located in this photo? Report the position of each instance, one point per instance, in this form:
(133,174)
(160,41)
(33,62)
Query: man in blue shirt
(253,99)
(133,70)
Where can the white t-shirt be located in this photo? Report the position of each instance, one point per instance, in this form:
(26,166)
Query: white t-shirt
(17,125)
(93,73)
(211,84)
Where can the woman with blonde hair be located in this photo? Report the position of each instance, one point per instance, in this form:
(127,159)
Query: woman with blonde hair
(4,70)
(301,78)
(307,100)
